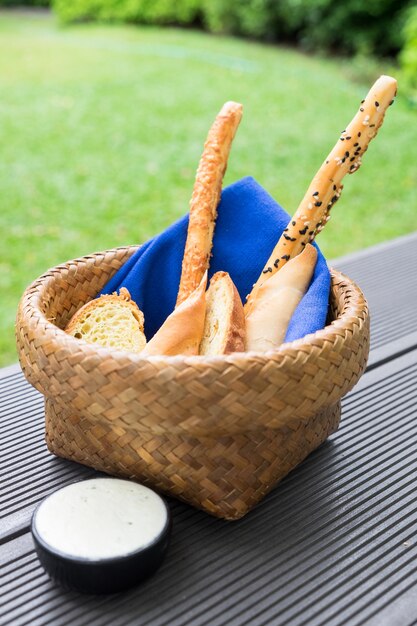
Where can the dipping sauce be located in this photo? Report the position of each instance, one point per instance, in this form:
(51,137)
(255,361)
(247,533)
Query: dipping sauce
(101,535)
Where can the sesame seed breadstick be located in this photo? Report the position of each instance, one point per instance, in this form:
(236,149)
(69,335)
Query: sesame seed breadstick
(205,198)
(325,188)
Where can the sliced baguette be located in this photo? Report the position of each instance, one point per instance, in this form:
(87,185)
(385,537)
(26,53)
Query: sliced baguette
(182,331)
(114,321)
(224,328)
(276,300)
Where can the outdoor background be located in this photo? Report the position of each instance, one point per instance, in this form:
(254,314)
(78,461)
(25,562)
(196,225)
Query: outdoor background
(105,106)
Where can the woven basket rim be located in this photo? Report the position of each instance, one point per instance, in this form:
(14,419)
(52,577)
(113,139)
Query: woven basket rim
(32,297)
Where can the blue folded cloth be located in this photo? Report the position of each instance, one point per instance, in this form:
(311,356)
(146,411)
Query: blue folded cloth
(248,226)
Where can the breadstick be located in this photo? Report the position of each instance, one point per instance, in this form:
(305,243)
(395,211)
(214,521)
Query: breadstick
(325,188)
(205,198)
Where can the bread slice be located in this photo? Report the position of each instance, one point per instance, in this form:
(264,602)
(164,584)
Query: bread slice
(114,321)
(182,331)
(276,300)
(224,328)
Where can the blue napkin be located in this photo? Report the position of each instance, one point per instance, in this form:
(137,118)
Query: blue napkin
(248,226)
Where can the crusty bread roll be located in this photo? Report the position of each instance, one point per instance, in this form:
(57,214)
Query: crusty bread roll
(205,198)
(276,300)
(224,327)
(325,188)
(114,321)
(182,331)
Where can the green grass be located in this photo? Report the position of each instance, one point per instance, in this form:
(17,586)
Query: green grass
(102,129)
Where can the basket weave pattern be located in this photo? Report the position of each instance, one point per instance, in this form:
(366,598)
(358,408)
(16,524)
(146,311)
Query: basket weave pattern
(217,432)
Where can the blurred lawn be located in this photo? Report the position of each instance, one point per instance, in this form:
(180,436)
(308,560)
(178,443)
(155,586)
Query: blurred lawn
(102,129)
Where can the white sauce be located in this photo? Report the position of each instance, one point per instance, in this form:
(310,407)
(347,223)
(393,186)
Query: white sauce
(101,518)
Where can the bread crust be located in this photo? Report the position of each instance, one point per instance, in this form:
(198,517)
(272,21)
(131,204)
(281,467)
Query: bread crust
(205,198)
(234,337)
(325,188)
(124,296)
(182,331)
(276,300)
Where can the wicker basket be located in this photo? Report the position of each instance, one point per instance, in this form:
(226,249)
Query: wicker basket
(216,432)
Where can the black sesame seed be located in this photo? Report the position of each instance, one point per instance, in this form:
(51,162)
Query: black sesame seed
(311,232)
(276,263)
(343,160)
(286,257)
(342,138)
(359,134)
(376,103)
(303,231)
(352,159)
(362,109)
(355,144)
(288,238)
(392,102)
(352,167)
(362,101)
(371,125)
(333,199)
(318,203)
(303,243)
(316,193)
(327,162)
(293,223)
(348,137)
(346,154)
(268,269)
(285,230)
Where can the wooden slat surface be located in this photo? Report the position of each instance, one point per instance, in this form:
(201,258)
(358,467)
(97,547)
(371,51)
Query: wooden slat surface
(335,543)
(387,275)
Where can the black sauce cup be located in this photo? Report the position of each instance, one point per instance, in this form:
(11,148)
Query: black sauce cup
(102,575)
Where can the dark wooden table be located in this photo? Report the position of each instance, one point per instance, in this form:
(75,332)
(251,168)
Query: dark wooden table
(335,543)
